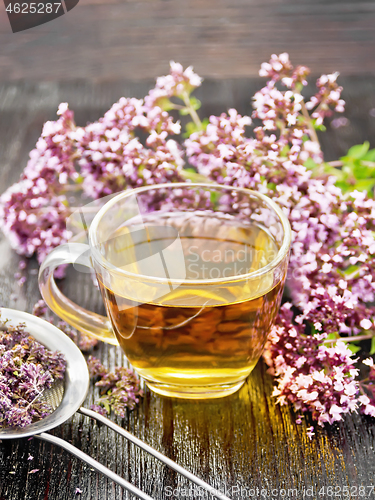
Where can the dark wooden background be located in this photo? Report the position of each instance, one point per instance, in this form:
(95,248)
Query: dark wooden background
(104,49)
(135,39)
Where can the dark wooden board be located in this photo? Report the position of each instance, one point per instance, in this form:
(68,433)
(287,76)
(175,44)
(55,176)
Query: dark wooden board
(133,39)
(243,440)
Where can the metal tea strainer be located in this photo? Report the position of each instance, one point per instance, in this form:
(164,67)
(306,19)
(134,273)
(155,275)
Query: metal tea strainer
(66,398)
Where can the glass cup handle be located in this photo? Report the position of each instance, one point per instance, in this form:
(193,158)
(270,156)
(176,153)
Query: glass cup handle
(85,321)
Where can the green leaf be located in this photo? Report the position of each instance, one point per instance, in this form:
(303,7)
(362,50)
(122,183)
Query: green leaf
(321,127)
(79,179)
(192,175)
(344,186)
(353,347)
(205,122)
(191,127)
(372,349)
(351,270)
(370,155)
(331,336)
(106,406)
(184,111)
(358,170)
(310,164)
(340,174)
(195,103)
(365,185)
(214,196)
(358,151)
(165,104)
(299,87)
(361,171)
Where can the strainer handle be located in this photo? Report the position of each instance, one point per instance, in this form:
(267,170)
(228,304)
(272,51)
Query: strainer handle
(85,321)
(167,461)
(94,463)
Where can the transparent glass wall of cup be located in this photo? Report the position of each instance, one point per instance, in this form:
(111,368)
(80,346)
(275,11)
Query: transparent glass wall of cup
(191,276)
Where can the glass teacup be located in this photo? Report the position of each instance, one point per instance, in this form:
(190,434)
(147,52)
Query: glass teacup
(191,276)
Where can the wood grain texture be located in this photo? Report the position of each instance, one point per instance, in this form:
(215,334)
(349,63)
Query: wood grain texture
(245,440)
(135,39)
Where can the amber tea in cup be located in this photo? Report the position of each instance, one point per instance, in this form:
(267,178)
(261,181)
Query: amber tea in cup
(191,276)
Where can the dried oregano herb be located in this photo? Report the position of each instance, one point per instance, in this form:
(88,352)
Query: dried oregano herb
(27,369)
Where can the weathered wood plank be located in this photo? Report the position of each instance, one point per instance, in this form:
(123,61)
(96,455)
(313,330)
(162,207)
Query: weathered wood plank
(107,40)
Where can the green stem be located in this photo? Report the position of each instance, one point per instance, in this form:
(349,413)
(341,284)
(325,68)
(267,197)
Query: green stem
(72,188)
(355,338)
(339,163)
(195,177)
(175,106)
(192,112)
(335,164)
(87,210)
(364,380)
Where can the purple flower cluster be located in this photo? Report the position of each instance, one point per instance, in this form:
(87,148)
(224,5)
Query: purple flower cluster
(130,146)
(112,156)
(179,83)
(331,280)
(120,389)
(331,273)
(220,146)
(326,99)
(27,369)
(331,276)
(34,210)
(313,376)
